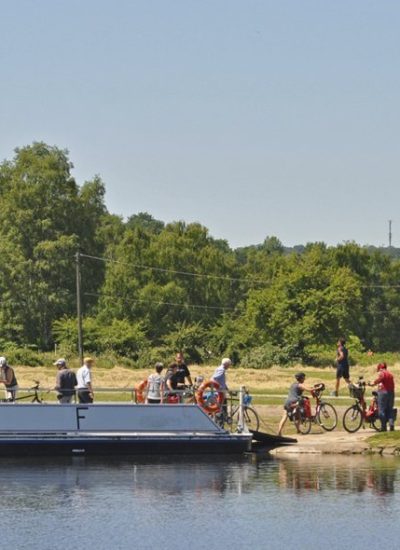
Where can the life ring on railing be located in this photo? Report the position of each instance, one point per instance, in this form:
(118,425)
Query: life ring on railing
(139,391)
(209,398)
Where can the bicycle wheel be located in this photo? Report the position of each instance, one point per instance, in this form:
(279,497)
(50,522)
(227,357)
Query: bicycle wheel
(327,417)
(352,419)
(303,422)
(376,424)
(250,418)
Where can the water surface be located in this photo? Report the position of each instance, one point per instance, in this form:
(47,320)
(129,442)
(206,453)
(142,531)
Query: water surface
(212,502)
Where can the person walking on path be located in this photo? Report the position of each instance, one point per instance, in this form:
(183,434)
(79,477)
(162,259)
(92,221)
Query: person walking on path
(295,392)
(8,378)
(65,382)
(385,383)
(84,381)
(342,365)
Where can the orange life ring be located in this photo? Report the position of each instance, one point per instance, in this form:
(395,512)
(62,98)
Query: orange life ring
(139,391)
(211,403)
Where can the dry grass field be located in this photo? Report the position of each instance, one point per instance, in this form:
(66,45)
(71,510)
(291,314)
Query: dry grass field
(275,380)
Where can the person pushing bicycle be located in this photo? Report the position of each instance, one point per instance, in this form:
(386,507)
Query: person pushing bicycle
(295,392)
(8,378)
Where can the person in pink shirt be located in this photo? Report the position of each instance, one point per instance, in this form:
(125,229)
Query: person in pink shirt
(385,383)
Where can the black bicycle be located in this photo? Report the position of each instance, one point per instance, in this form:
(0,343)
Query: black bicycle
(35,395)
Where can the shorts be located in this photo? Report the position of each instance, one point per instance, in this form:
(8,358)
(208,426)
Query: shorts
(289,405)
(342,371)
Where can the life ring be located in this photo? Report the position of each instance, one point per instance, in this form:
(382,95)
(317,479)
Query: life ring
(139,391)
(212,402)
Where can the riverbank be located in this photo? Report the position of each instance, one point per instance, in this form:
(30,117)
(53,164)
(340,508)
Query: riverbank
(363,442)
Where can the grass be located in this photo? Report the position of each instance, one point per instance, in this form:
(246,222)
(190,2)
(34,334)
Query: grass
(387,439)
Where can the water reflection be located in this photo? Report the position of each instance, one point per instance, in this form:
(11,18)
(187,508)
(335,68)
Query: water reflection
(310,473)
(34,484)
(152,476)
(249,501)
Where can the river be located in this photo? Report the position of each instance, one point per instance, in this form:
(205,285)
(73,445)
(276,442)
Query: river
(201,503)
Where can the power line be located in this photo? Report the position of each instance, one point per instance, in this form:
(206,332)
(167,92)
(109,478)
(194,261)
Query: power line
(206,276)
(159,302)
(176,272)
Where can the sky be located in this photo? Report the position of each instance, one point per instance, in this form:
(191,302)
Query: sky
(252,117)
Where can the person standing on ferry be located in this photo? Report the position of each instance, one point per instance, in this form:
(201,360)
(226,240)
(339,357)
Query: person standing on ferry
(183,372)
(155,386)
(84,381)
(65,381)
(8,378)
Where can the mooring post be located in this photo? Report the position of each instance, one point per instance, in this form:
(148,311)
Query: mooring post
(241,425)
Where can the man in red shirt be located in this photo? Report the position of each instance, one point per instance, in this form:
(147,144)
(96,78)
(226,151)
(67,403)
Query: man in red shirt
(385,383)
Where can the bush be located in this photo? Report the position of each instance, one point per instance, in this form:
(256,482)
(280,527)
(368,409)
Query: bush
(267,355)
(21,356)
(119,338)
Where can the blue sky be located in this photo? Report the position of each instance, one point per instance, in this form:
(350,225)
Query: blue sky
(253,117)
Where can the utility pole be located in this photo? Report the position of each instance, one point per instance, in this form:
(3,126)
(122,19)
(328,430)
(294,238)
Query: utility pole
(390,233)
(79,306)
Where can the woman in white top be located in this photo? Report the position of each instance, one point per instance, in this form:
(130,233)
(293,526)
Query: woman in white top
(155,386)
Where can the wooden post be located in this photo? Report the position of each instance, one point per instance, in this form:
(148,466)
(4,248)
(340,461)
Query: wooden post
(79,307)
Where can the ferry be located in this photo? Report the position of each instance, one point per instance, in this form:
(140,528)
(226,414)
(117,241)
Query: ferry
(114,429)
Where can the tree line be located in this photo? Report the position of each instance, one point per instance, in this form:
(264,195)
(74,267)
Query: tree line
(150,288)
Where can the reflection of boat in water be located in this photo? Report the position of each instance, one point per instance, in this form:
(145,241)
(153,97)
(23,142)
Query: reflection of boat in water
(40,484)
(106,429)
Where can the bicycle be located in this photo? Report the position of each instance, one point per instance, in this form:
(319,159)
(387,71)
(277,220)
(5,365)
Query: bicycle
(325,414)
(232,418)
(37,397)
(357,415)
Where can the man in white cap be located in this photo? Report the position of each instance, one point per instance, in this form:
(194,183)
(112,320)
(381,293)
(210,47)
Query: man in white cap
(65,381)
(8,378)
(220,373)
(220,377)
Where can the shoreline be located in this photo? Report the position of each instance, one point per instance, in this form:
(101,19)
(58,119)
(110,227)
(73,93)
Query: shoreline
(336,443)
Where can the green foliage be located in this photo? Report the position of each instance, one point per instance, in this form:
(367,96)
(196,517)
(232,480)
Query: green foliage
(267,355)
(120,337)
(45,217)
(188,338)
(172,286)
(20,355)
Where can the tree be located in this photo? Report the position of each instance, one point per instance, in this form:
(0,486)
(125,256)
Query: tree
(45,219)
